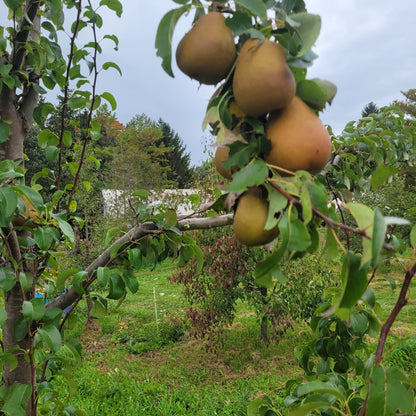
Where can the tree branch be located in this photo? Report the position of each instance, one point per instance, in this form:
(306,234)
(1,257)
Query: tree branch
(25,26)
(385,329)
(133,235)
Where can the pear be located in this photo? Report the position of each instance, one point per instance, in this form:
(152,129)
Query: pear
(221,155)
(262,80)
(250,217)
(30,213)
(299,139)
(207,52)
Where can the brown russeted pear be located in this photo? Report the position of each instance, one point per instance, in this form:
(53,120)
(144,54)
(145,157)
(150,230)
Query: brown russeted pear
(299,139)
(207,52)
(262,80)
(250,217)
(30,217)
(221,155)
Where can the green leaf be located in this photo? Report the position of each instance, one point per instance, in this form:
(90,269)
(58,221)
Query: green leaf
(78,280)
(256,7)
(34,309)
(42,111)
(253,174)
(307,408)
(3,315)
(131,281)
(51,153)
(413,236)
(73,206)
(316,93)
(63,277)
(114,38)
(318,195)
(7,278)
(381,174)
(67,138)
(14,4)
(87,185)
(141,193)
(387,393)
(308,30)
(199,258)
(64,226)
(331,244)
(359,323)
(47,138)
(16,399)
(20,329)
(111,100)
(354,284)
(396,221)
(77,102)
(135,257)
(31,194)
(239,22)
(114,5)
(107,65)
(26,280)
(259,406)
(44,237)
(99,308)
(103,276)
(299,239)
(75,72)
(111,233)
(117,287)
(164,35)
(277,203)
(305,199)
(379,231)
(269,268)
(364,216)
(170,217)
(320,387)
(4,132)
(50,334)
(8,205)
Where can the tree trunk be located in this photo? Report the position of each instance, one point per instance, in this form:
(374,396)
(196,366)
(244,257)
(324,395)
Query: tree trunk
(12,149)
(23,372)
(264,335)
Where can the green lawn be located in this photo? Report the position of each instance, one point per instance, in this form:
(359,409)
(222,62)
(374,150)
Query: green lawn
(134,365)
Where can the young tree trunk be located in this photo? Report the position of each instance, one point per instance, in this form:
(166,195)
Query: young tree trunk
(23,372)
(19,114)
(264,335)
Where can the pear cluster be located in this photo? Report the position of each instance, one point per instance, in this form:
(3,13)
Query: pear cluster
(264,88)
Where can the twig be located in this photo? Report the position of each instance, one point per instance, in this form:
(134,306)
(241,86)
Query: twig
(65,99)
(385,329)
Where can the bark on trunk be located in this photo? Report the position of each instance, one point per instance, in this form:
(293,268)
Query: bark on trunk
(23,372)
(12,149)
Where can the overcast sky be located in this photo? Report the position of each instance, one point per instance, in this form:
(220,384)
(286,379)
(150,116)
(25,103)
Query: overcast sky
(366,47)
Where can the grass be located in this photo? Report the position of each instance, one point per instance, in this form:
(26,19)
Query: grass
(134,365)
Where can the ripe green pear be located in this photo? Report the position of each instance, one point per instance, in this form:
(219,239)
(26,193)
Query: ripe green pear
(207,52)
(299,139)
(250,217)
(262,80)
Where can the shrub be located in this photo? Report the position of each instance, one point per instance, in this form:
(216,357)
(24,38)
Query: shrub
(227,277)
